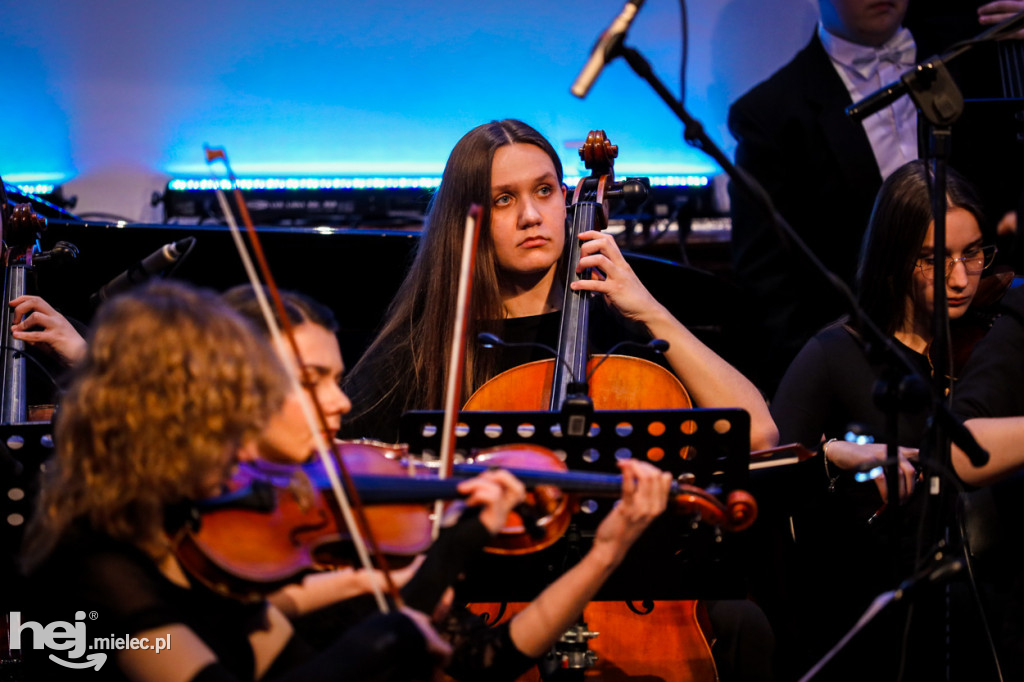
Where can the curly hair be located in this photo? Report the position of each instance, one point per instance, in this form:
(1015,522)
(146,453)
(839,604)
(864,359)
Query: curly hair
(172,384)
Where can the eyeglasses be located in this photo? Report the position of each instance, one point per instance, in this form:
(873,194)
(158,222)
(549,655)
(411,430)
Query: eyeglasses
(975,261)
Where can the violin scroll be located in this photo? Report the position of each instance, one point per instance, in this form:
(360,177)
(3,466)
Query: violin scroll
(738,512)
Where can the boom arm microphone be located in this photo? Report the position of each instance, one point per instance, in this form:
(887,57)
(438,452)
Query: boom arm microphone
(152,265)
(602,52)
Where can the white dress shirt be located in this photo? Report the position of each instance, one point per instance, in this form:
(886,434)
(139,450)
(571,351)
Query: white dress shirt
(865,69)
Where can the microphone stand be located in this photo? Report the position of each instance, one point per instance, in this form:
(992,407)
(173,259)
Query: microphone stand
(939,104)
(905,383)
(875,340)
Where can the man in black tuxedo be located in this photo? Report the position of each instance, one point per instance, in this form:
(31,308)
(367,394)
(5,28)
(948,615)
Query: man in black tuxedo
(820,169)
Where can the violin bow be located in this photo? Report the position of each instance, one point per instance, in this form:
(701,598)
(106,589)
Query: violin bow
(348,497)
(457,354)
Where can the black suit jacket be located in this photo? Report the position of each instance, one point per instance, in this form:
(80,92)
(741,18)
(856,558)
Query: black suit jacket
(817,166)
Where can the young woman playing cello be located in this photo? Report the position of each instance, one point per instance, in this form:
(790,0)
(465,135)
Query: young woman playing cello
(173,388)
(514,173)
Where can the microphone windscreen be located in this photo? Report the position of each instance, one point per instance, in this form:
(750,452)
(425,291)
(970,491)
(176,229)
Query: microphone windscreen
(658,345)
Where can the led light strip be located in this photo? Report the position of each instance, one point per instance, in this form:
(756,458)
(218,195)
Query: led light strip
(248,184)
(38,188)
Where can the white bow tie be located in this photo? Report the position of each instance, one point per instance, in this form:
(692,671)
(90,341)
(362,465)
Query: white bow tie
(900,53)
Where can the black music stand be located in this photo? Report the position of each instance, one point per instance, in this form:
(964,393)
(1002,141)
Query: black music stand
(706,447)
(24,450)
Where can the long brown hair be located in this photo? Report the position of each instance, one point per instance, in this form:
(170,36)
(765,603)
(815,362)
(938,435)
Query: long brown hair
(172,383)
(409,353)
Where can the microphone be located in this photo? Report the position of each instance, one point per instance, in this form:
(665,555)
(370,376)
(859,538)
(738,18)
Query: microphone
(61,252)
(604,48)
(658,346)
(941,571)
(877,100)
(152,265)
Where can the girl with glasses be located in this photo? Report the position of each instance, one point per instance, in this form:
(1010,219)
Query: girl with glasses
(826,400)
(829,385)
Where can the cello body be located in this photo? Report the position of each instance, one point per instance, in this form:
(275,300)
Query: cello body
(621,383)
(667,644)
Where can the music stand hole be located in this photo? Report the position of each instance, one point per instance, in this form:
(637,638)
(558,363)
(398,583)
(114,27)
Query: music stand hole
(556,430)
(594,430)
(689,426)
(561,454)
(493,430)
(591,455)
(656,429)
(723,426)
(588,506)
(656,454)
(461,430)
(526,430)
(623,453)
(688,453)
(623,429)
(429,431)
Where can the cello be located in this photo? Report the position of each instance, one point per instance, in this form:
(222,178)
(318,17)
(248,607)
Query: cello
(668,643)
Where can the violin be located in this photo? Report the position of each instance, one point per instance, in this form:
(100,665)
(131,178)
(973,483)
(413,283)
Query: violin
(975,323)
(276,524)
